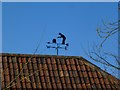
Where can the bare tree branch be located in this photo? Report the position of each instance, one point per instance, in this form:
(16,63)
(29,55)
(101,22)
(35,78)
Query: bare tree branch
(97,53)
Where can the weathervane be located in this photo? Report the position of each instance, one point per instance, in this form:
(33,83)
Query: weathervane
(56,45)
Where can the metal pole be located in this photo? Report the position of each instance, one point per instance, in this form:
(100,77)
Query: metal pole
(57,48)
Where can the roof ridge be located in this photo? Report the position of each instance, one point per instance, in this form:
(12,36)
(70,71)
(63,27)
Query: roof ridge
(37,55)
(95,67)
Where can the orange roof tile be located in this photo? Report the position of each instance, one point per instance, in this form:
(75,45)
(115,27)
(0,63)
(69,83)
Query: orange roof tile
(45,71)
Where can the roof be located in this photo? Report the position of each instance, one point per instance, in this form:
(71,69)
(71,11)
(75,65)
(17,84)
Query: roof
(47,71)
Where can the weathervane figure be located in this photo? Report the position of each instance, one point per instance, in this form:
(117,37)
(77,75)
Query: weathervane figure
(63,37)
(56,45)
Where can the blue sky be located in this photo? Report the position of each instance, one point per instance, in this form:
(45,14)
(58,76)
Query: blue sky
(27,24)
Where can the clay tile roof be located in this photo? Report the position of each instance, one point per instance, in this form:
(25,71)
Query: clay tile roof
(27,71)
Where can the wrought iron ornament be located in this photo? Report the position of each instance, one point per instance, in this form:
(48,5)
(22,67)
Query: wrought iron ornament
(56,45)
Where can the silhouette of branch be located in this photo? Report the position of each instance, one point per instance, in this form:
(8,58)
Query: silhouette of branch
(24,77)
(97,53)
(21,72)
(107,31)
